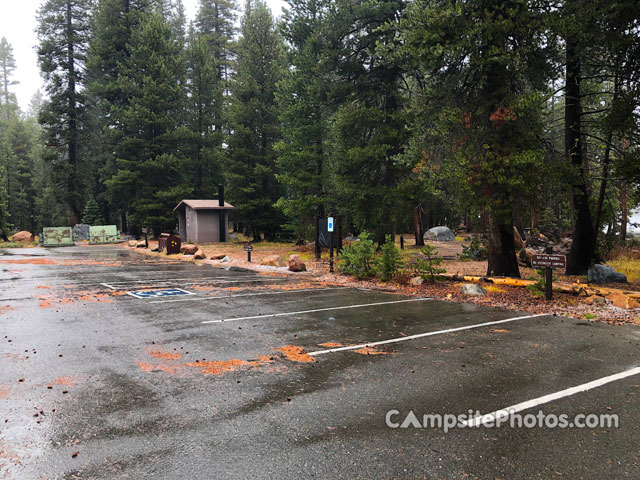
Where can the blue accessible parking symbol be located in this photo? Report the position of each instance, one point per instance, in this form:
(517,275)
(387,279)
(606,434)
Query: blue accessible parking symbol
(168,292)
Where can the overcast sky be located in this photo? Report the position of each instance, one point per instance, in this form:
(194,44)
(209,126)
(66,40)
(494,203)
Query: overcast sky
(18,24)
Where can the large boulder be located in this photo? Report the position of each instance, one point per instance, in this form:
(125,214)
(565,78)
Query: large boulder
(80,232)
(22,237)
(273,261)
(440,234)
(296,264)
(141,244)
(132,243)
(416,281)
(189,249)
(472,290)
(604,274)
(199,255)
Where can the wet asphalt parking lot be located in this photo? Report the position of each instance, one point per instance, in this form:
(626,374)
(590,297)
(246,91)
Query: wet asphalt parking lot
(258,376)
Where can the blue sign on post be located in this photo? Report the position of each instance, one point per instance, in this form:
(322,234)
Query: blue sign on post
(330,224)
(167,292)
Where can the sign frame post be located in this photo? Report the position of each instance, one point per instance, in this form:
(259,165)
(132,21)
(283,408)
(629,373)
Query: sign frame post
(330,228)
(548,262)
(248,248)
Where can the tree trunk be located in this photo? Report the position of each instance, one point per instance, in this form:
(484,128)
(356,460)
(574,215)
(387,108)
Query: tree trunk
(584,240)
(624,212)
(502,256)
(73,122)
(417,226)
(606,161)
(123,220)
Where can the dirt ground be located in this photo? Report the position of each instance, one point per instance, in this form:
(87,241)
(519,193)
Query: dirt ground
(499,296)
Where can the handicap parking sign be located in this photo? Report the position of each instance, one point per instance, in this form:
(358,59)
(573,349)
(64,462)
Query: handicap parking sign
(168,292)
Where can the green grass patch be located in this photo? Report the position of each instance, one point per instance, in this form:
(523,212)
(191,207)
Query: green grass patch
(590,316)
(627,265)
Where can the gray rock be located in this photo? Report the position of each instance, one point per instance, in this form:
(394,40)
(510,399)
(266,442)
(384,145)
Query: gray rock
(604,274)
(440,234)
(80,232)
(225,259)
(472,290)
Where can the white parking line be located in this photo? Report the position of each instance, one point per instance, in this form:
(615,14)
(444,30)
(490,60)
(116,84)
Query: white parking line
(505,412)
(301,312)
(195,299)
(421,335)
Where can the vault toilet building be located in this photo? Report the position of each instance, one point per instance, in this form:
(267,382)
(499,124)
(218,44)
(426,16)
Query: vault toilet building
(204,221)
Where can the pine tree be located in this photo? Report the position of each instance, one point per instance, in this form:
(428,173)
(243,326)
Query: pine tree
(63,35)
(304,112)
(216,23)
(6,156)
(149,167)
(204,110)
(91,214)
(7,68)
(370,124)
(109,55)
(251,165)
(487,108)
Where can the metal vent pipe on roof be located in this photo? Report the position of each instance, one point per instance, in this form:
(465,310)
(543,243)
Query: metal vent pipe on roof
(221,214)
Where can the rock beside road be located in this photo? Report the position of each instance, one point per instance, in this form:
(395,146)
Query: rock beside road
(141,244)
(189,249)
(296,264)
(199,255)
(472,290)
(440,234)
(621,300)
(604,274)
(416,281)
(22,237)
(217,257)
(272,261)
(132,243)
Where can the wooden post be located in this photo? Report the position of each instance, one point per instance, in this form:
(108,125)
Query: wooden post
(548,284)
(401,242)
(331,252)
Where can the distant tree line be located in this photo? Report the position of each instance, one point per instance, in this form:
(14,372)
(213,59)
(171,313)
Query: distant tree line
(396,115)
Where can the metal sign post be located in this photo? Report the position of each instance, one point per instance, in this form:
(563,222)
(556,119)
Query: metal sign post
(549,262)
(330,230)
(146,241)
(248,248)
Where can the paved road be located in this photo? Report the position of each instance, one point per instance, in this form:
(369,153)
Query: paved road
(199,385)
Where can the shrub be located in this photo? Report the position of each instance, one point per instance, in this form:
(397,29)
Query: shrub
(429,267)
(477,250)
(357,258)
(390,260)
(537,289)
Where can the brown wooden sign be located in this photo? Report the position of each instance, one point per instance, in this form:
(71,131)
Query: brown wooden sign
(545,260)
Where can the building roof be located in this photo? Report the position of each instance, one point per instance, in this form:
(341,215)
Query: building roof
(204,205)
